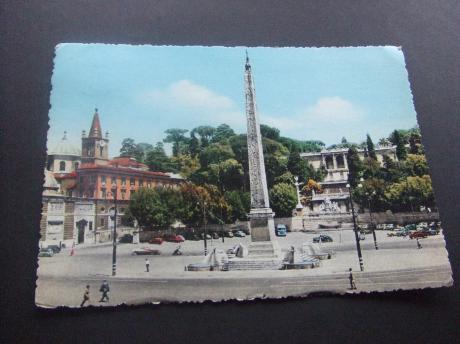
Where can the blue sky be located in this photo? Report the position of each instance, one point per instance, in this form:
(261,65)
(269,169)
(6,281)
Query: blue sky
(308,93)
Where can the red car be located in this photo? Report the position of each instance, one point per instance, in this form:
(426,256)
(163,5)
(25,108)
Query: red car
(173,238)
(157,241)
(418,234)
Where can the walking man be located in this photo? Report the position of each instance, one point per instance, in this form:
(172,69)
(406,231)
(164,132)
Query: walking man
(352,280)
(104,289)
(85,296)
(419,245)
(147,265)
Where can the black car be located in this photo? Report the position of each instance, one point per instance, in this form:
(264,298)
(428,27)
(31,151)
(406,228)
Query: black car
(54,248)
(126,239)
(322,238)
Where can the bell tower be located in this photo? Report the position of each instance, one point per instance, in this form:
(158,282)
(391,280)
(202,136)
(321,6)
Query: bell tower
(95,148)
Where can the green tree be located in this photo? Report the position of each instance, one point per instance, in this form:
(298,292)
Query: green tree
(176,137)
(223,133)
(215,153)
(416,165)
(130,148)
(269,132)
(157,160)
(275,166)
(154,208)
(354,166)
(411,193)
(286,178)
(196,199)
(370,147)
(206,134)
(194,145)
(296,165)
(240,204)
(283,199)
(399,141)
(226,175)
(415,143)
(186,164)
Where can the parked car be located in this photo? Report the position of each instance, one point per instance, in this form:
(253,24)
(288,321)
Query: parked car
(215,235)
(228,234)
(208,236)
(418,234)
(280,230)
(431,230)
(145,251)
(54,248)
(362,235)
(157,241)
(173,238)
(45,252)
(239,234)
(402,232)
(322,238)
(126,239)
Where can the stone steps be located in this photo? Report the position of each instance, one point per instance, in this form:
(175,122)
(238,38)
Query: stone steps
(253,264)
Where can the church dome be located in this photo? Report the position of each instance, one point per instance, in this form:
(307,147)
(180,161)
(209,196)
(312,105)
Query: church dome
(64,147)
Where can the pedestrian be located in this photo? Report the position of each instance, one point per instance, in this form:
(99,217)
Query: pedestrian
(85,296)
(352,280)
(104,289)
(419,245)
(147,265)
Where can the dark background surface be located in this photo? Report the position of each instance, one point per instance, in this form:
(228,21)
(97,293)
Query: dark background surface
(429,33)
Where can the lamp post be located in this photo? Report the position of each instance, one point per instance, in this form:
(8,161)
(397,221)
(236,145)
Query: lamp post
(297,184)
(113,216)
(358,245)
(372,220)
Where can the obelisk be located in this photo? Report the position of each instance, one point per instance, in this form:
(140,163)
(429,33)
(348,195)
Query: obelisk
(261,215)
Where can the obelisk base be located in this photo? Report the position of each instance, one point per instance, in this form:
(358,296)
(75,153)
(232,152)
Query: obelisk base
(263,243)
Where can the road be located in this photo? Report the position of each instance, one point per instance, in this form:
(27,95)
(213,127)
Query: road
(154,290)
(398,264)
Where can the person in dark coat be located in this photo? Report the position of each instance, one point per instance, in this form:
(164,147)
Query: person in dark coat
(85,296)
(147,265)
(104,289)
(352,280)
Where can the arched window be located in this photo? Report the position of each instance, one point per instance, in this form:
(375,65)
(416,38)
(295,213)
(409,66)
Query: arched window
(76,165)
(62,166)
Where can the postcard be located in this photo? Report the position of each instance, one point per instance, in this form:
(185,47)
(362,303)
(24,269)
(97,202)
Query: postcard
(192,173)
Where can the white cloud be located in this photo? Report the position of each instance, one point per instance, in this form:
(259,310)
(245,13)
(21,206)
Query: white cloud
(185,94)
(333,109)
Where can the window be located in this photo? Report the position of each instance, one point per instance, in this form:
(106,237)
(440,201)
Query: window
(76,165)
(114,180)
(103,193)
(123,192)
(81,179)
(131,181)
(102,222)
(141,182)
(103,179)
(123,181)
(92,179)
(90,225)
(62,166)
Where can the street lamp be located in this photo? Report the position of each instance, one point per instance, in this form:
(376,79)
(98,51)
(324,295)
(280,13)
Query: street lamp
(358,245)
(113,216)
(372,220)
(297,184)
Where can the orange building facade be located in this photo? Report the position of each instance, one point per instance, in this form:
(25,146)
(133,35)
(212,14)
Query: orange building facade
(80,186)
